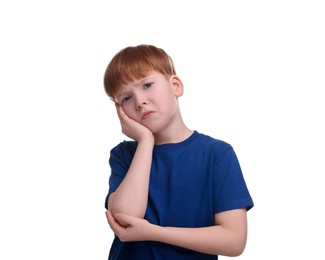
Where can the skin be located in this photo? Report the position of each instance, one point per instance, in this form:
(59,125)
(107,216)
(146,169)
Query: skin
(149,113)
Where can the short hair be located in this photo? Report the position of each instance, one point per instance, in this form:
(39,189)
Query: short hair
(135,62)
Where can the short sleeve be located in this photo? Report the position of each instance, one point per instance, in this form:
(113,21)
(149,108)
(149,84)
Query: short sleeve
(229,187)
(119,162)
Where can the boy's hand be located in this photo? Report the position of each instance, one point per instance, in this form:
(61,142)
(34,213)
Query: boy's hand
(132,128)
(129,228)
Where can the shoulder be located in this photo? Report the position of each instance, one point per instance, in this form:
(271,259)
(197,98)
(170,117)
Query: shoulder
(125,148)
(216,144)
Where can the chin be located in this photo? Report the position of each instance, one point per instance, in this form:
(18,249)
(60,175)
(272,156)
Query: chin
(152,129)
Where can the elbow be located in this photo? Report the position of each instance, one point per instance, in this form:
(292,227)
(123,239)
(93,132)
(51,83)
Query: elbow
(234,245)
(237,249)
(233,252)
(125,209)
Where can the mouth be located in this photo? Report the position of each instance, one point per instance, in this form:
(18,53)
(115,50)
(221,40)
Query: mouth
(146,115)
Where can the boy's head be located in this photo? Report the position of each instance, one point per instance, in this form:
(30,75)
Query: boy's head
(133,63)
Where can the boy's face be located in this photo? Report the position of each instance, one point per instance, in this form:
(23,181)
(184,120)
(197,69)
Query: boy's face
(152,100)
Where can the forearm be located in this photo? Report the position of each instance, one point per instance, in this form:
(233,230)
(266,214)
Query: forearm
(131,196)
(214,240)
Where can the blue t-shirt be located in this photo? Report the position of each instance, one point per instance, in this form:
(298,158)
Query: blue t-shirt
(190,181)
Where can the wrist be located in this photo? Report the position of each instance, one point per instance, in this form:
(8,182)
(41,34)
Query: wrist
(147,140)
(152,232)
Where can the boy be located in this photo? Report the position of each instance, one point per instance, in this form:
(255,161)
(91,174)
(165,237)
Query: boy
(174,193)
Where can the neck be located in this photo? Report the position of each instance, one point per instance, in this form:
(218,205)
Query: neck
(173,136)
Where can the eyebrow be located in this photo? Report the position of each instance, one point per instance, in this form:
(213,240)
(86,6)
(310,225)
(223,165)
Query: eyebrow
(144,79)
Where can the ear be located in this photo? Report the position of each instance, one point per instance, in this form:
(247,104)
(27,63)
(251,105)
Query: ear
(177,85)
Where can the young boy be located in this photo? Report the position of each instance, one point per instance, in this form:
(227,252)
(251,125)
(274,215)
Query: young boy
(174,193)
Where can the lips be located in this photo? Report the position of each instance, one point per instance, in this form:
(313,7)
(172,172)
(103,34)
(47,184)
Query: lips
(146,114)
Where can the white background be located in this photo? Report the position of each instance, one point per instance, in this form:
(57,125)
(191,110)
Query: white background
(254,76)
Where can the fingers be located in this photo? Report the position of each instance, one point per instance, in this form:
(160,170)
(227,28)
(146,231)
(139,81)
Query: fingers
(110,218)
(119,219)
(124,118)
(128,228)
(130,126)
(114,225)
(123,220)
(120,111)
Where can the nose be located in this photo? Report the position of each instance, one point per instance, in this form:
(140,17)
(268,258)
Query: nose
(141,104)
(141,101)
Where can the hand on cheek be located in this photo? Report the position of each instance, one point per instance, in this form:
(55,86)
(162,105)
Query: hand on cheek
(131,127)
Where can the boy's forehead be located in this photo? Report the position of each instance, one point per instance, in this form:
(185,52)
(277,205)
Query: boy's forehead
(138,81)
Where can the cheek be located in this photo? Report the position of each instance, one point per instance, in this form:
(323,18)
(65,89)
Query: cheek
(130,112)
(171,100)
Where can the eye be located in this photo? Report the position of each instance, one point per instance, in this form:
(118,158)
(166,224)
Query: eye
(125,99)
(148,85)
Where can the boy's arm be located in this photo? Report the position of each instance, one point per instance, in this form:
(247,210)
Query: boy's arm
(227,237)
(131,196)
